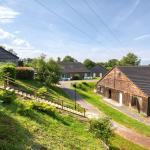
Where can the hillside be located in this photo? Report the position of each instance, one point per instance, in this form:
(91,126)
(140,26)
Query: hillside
(26,127)
(33,125)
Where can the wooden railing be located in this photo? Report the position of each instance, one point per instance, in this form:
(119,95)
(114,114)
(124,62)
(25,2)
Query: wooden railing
(32,91)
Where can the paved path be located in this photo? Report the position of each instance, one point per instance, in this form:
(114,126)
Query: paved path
(93,112)
(128,111)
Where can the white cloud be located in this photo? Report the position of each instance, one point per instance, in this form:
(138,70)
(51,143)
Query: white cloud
(142,37)
(21,42)
(5,34)
(7,14)
(21,46)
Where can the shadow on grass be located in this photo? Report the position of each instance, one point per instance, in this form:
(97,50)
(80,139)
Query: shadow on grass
(13,135)
(34,114)
(114,148)
(73,95)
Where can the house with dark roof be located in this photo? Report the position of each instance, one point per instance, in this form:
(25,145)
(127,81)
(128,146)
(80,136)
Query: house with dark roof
(72,69)
(98,71)
(6,56)
(128,86)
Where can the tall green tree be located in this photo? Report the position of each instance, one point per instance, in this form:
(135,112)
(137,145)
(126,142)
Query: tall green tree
(101,64)
(130,60)
(69,59)
(89,63)
(53,72)
(112,63)
(47,72)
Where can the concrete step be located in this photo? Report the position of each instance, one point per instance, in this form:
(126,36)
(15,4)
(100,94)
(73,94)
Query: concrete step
(44,101)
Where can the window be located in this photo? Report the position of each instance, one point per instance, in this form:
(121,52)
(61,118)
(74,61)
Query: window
(85,75)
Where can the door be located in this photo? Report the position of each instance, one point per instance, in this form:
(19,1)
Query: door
(109,93)
(120,98)
(148,108)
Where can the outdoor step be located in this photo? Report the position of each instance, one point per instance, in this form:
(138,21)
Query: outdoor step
(44,101)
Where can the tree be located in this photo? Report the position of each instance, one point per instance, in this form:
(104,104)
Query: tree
(39,64)
(48,72)
(27,62)
(101,64)
(112,63)
(53,72)
(58,59)
(69,59)
(89,63)
(12,51)
(130,60)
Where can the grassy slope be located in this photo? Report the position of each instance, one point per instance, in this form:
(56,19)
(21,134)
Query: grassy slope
(86,91)
(53,91)
(37,130)
(116,115)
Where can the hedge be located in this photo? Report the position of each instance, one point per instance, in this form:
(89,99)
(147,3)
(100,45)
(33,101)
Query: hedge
(24,73)
(8,70)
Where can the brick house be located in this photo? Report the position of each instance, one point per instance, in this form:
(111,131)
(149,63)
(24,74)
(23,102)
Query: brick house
(128,86)
(71,69)
(6,56)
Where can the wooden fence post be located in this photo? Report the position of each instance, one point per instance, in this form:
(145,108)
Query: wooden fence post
(84,112)
(5,86)
(62,104)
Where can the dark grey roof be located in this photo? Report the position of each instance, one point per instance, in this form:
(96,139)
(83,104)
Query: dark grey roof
(73,67)
(6,55)
(140,76)
(98,69)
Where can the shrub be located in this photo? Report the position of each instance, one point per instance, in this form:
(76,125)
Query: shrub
(45,108)
(76,77)
(7,97)
(25,73)
(8,70)
(102,128)
(85,83)
(42,92)
(25,110)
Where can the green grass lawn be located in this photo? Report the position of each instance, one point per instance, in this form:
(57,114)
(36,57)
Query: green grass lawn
(119,143)
(35,129)
(116,115)
(41,131)
(55,93)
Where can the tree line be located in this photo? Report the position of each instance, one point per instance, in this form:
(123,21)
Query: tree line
(130,59)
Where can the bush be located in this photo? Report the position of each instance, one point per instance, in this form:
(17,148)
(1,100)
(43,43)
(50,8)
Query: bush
(7,97)
(102,128)
(42,92)
(45,108)
(25,73)
(8,70)
(26,109)
(76,77)
(85,83)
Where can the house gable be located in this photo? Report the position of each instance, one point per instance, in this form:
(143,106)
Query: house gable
(116,79)
(6,55)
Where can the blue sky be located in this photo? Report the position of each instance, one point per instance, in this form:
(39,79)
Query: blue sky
(95,29)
